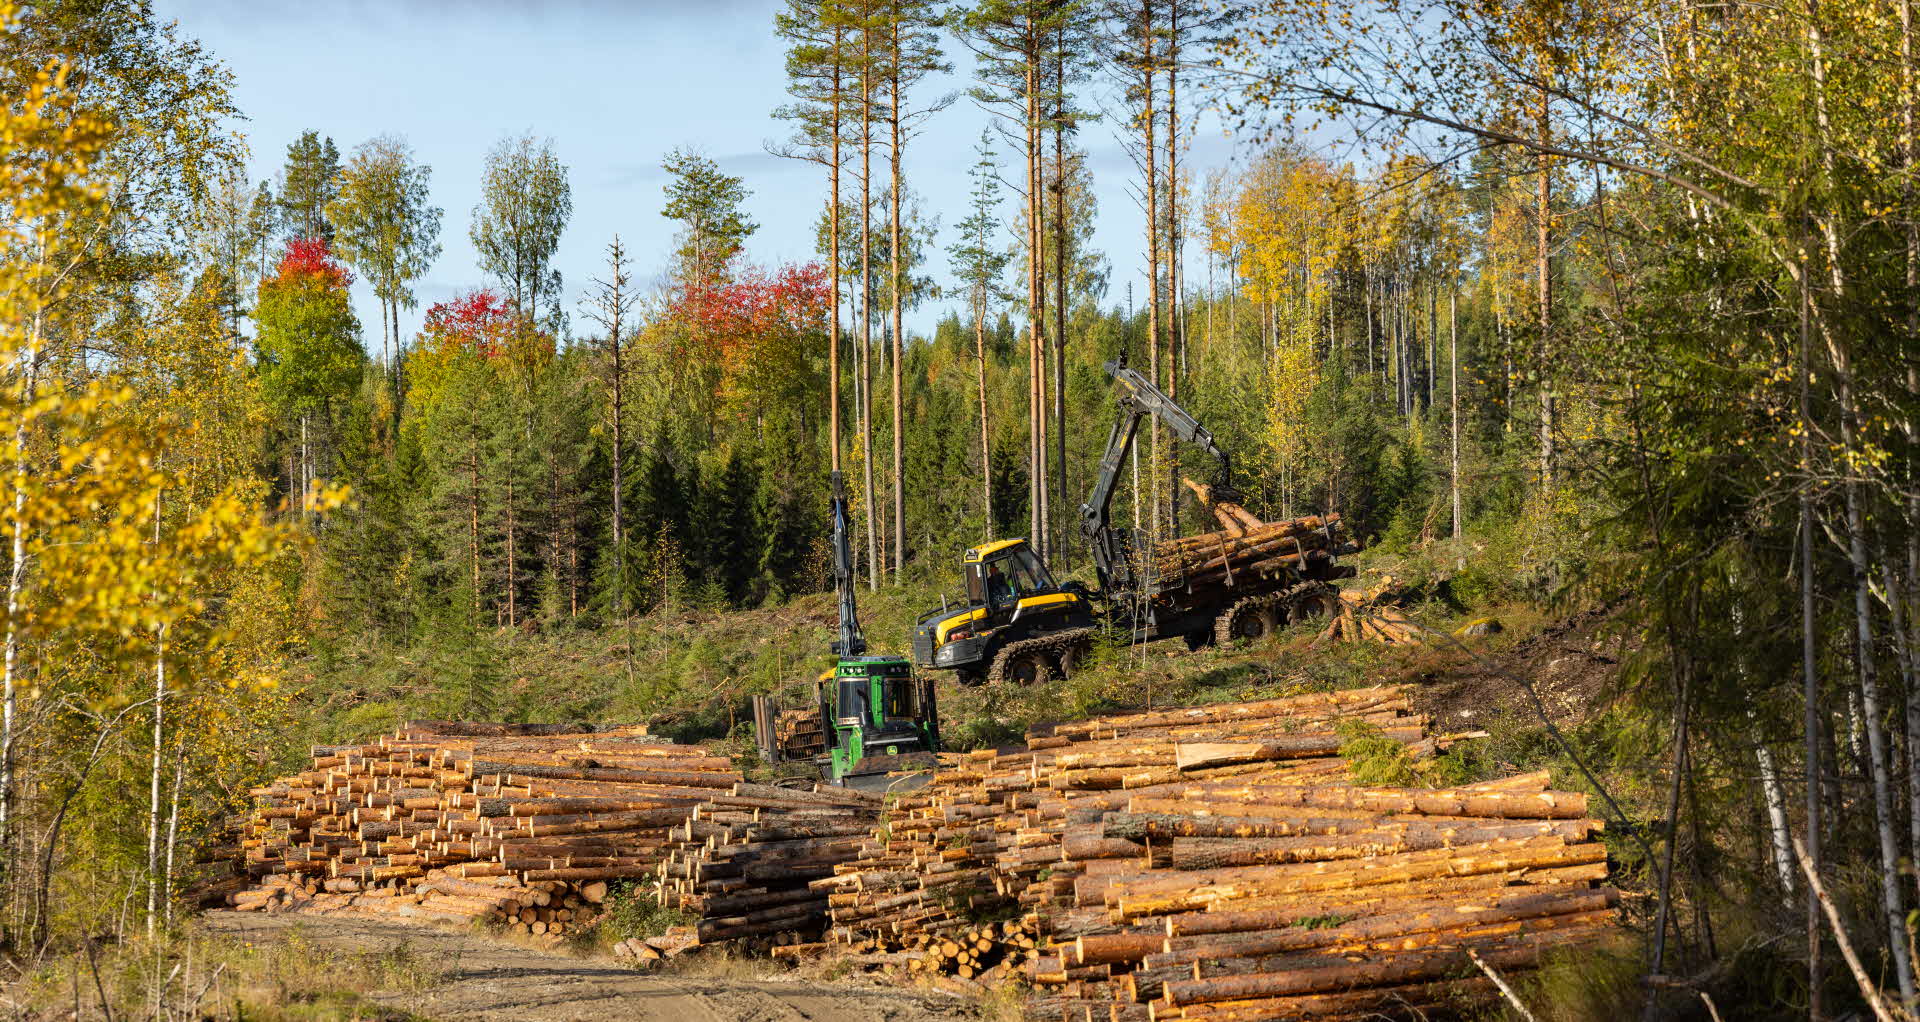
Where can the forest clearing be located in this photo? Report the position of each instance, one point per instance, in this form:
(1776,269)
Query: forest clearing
(1016,509)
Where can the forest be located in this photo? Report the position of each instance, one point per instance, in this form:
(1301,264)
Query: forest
(1597,304)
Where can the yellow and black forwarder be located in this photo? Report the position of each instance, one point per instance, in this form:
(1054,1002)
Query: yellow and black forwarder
(1018,624)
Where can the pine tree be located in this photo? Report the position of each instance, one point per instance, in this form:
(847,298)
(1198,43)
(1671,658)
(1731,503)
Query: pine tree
(308,182)
(979,262)
(713,226)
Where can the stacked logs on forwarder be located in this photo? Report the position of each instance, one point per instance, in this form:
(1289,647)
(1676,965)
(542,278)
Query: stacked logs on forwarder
(1219,863)
(518,825)
(1246,546)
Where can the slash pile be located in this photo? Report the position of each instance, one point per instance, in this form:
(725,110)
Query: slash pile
(521,825)
(1220,863)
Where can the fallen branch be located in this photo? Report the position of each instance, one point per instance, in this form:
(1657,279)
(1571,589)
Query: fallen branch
(1505,990)
(1867,988)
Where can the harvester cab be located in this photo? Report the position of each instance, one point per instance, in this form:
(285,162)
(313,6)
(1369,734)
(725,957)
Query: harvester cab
(882,720)
(877,720)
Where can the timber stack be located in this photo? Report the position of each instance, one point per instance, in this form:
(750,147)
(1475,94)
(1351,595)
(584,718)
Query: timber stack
(1245,547)
(742,865)
(1221,863)
(522,825)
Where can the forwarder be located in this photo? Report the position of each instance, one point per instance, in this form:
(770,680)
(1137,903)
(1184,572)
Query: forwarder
(1016,623)
(875,716)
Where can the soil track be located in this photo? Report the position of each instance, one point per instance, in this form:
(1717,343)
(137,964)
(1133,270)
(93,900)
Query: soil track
(497,981)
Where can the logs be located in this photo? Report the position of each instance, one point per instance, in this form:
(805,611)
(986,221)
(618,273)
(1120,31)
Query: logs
(1217,862)
(745,874)
(523,826)
(1247,547)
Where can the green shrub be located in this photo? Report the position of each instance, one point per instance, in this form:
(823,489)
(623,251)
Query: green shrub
(633,912)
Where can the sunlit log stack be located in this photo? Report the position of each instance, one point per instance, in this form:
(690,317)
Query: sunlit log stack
(742,865)
(518,824)
(1219,863)
(1247,547)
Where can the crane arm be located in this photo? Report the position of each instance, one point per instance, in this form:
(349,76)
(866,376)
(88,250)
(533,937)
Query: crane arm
(851,642)
(1138,398)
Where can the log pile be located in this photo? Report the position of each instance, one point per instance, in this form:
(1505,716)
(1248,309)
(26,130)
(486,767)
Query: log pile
(798,736)
(1248,548)
(742,865)
(523,825)
(1219,863)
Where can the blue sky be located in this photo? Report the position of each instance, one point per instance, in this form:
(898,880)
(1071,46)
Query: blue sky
(616,86)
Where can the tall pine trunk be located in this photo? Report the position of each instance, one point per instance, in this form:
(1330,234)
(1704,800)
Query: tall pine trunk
(986,449)
(1060,262)
(1176,335)
(1147,71)
(1453,432)
(896,339)
(866,305)
(833,261)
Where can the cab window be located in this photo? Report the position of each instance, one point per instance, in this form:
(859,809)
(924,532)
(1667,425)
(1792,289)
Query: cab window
(851,703)
(900,699)
(1029,575)
(976,589)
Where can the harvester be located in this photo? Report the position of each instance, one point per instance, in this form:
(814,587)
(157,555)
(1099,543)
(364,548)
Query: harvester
(876,720)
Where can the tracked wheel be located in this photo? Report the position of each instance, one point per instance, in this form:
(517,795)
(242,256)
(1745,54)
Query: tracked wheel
(1071,655)
(1022,663)
(1252,619)
(1309,600)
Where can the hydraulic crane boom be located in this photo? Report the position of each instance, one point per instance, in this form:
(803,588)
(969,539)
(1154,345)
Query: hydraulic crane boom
(1138,398)
(851,642)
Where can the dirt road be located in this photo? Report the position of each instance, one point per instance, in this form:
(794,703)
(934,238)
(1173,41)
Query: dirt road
(496,981)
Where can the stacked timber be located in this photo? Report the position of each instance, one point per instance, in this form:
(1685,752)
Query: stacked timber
(742,866)
(523,825)
(1245,548)
(1218,862)
(798,735)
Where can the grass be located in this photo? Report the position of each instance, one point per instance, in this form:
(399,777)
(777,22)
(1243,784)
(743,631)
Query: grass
(201,975)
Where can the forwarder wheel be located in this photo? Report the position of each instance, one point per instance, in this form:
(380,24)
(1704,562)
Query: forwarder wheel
(1069,663)
(1021,667)
(1311,600)
(1248,619)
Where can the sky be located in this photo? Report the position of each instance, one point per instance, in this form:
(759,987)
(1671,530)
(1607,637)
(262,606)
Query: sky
(616,86)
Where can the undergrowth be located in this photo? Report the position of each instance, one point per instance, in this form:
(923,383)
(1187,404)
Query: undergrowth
(634,912)
(201,975)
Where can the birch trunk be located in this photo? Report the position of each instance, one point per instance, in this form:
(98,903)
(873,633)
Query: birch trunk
(1453,403)
(173,826)
(1898,944)
(153,798)
(1809,676)
(16,583)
